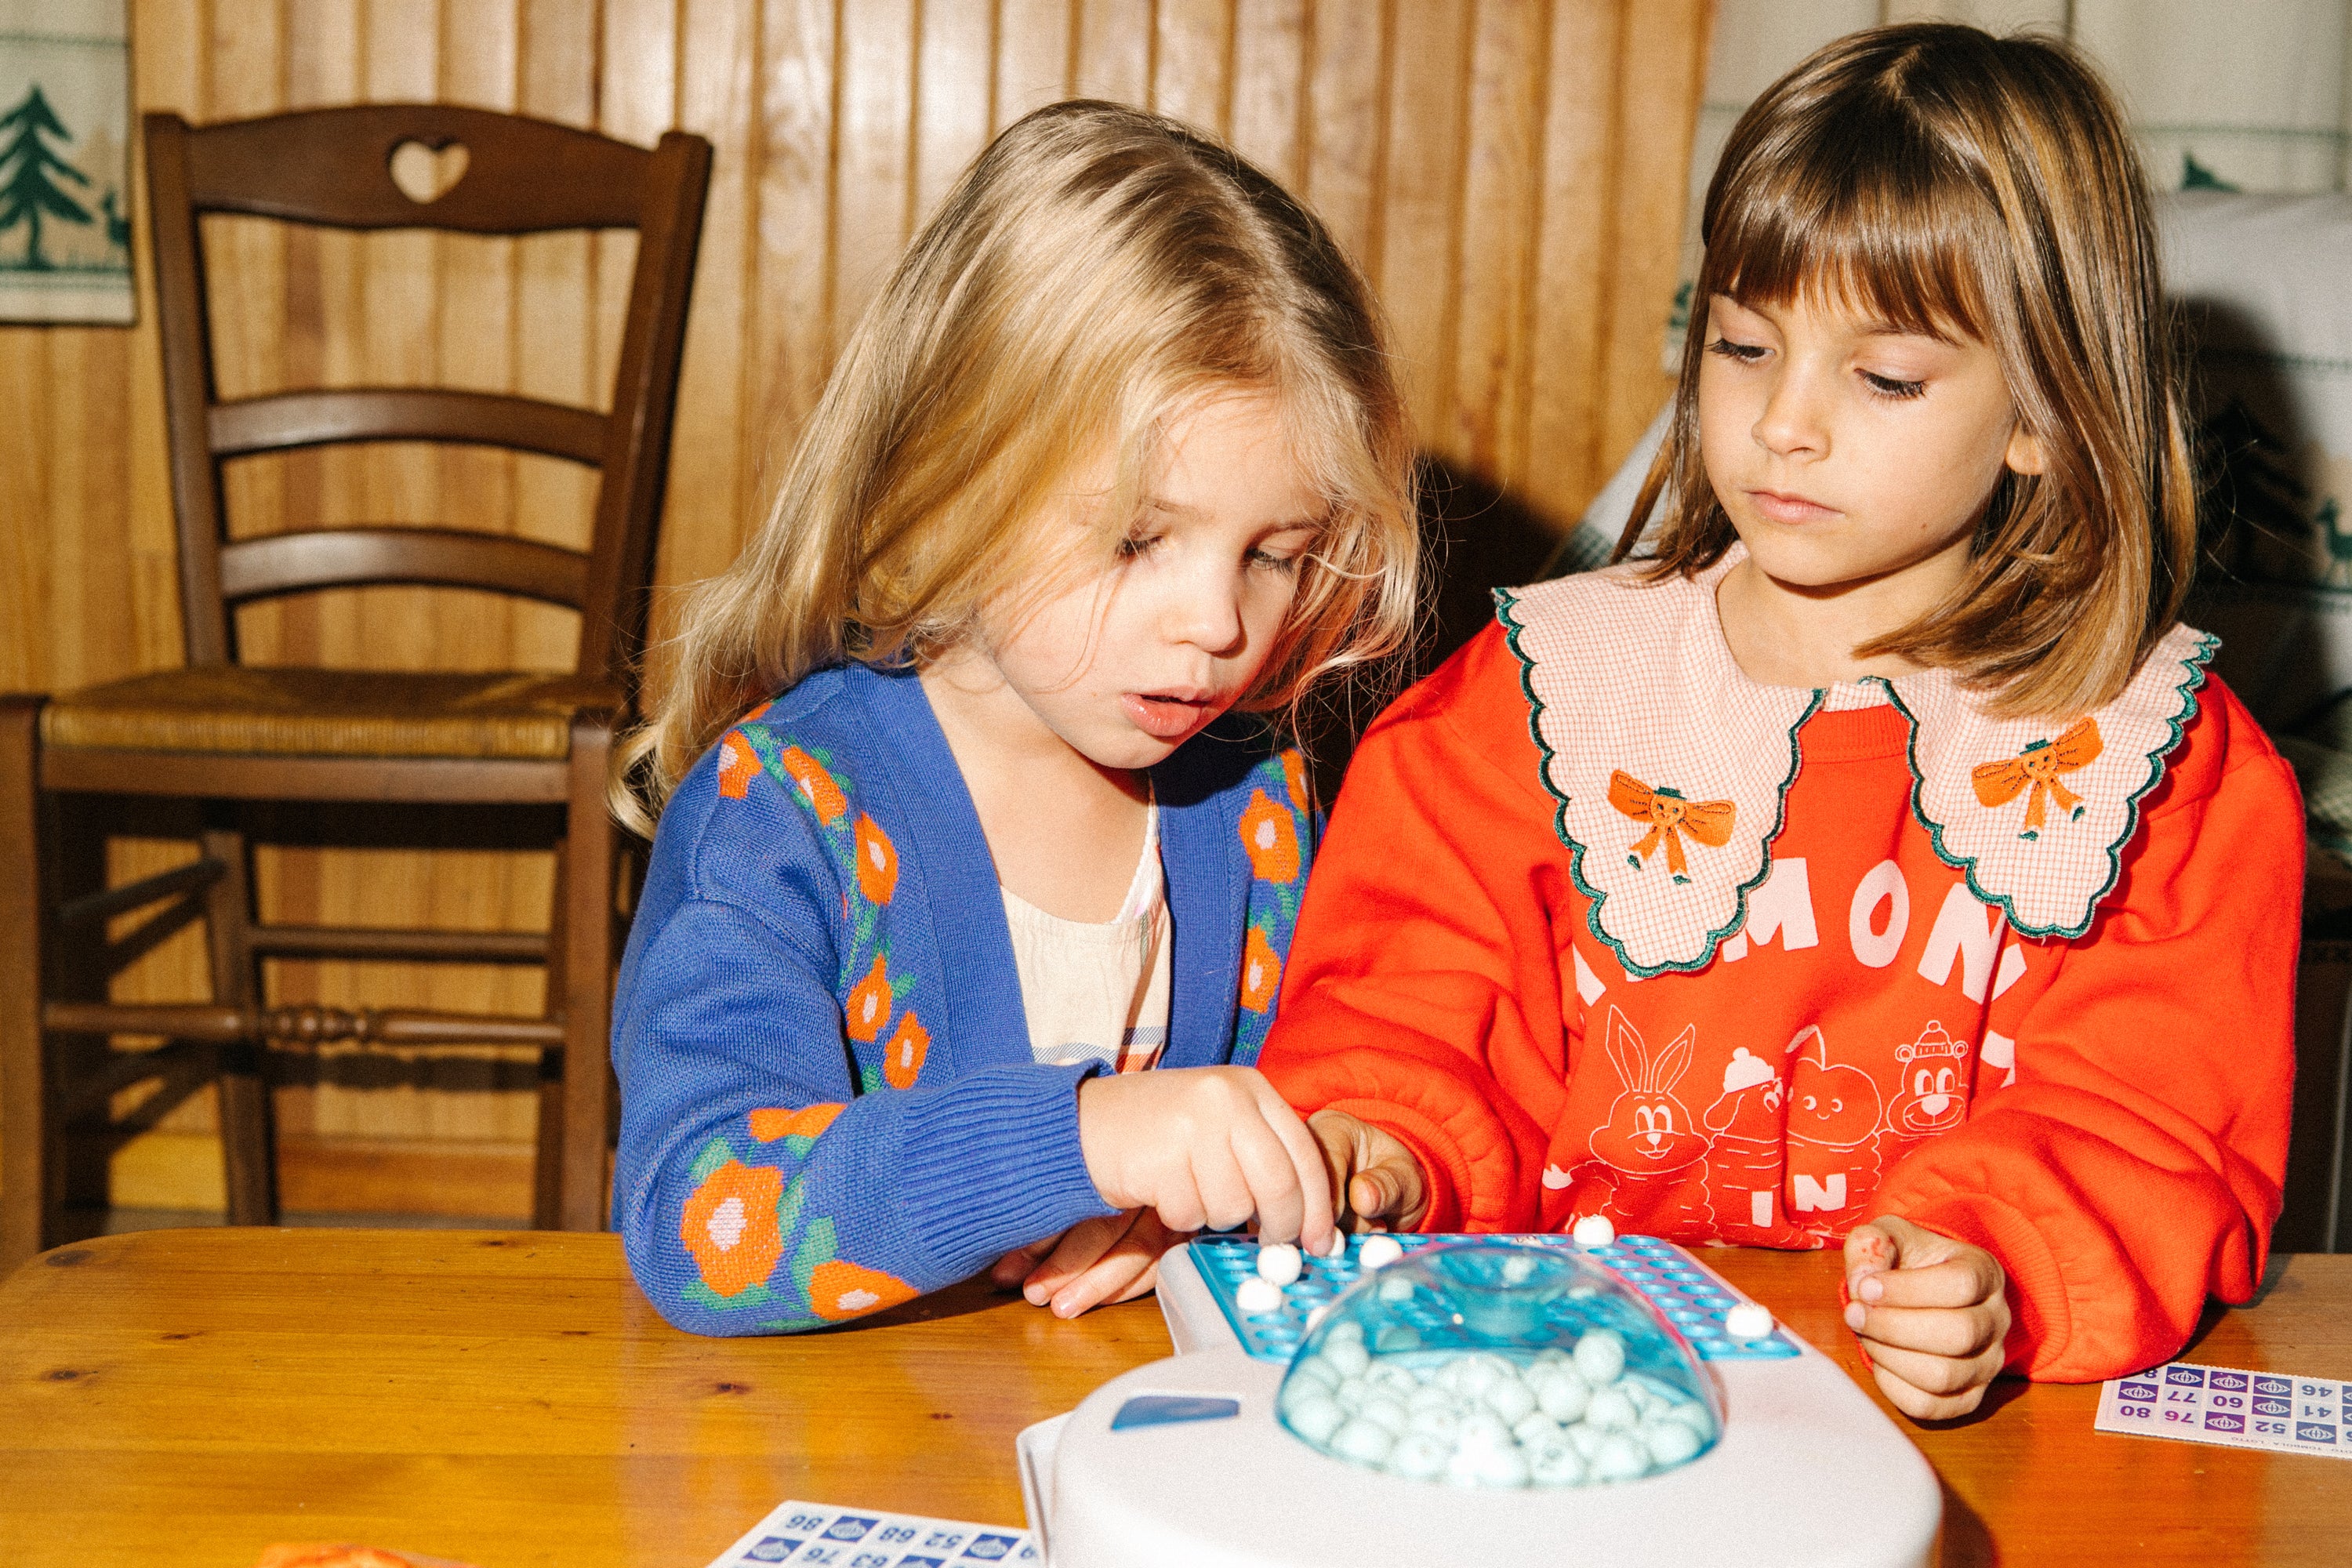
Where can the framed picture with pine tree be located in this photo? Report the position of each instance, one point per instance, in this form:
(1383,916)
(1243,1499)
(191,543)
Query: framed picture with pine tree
(65,161)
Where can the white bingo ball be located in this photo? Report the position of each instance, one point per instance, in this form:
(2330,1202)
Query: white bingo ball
(1254,1296)
(1601,1356)
(1395,1291)
(1564,1397)
(1351,1393)
(1430,1397)
(1279,1263)
(1363,1441)
(1689,1413)
(1462,1469)
(1747,1320)
(1314,1416)
(1312,1369)
(1510,1399)
(1502,1468)
(1612,1408)
(1441,1423)
(1594,1230)
(1618,1458)
(1479,1373)
(1385,1413)
(1315,1318)
(1556,1464)
(1420,1456)
(1338,1248)
(1669,1442)
(1482,1429)
(1347,1356)
(1536,1428)
(1379,1251)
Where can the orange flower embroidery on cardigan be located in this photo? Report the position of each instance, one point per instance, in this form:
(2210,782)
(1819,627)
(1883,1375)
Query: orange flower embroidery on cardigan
(878,861)
(730,1227)
(1670,817)
(840,1290)
(1272,842)
(756,714)
(1294,773)
(770,1124)
(1261,972)
(2039,765)
(737,765)
(823,794)
(869,1004)
(902,1059)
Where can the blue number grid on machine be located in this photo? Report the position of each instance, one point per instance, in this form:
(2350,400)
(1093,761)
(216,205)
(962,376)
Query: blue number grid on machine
(2240,1409)
(1692,1297)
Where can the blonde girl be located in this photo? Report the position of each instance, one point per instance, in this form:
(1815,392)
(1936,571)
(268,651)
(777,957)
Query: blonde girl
(962,823)
(1875,865)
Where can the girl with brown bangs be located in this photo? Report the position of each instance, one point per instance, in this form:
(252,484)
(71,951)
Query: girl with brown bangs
(1872,864)
(975,799)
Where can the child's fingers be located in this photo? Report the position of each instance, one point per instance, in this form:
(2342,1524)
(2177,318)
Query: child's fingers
(1120,1275)
(1077,1251)
(1334,1132)
(1130,1268)
(1015,1267)
(1307,1174)
(1376,1192)
(1271,1180)
(1958,1332)
(1964,1280)
(1868,1246)
(1931,1387)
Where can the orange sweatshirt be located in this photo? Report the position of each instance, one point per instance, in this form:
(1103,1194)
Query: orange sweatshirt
(1515,955)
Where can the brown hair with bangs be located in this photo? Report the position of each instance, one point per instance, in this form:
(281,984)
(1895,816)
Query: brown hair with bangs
(1956,183)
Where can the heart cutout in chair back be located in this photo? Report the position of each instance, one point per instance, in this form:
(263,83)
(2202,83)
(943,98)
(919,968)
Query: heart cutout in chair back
(424,174)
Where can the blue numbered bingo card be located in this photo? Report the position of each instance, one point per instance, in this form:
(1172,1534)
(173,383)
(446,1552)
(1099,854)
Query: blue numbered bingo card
(2240,1409)
(862,1537)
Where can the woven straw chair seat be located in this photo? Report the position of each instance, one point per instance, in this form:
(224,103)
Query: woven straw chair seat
(222,709)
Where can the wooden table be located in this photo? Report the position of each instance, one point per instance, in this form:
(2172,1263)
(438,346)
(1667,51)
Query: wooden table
(187,1397)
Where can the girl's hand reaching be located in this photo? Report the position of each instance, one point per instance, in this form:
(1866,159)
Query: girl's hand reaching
(1205,1147)
(1377,1178)
(1932,1314)
(1092,1264)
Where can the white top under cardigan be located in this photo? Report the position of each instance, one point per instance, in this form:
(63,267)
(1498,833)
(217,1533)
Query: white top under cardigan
(1098,991)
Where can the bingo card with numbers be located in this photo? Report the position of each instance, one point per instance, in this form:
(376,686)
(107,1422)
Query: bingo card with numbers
(816,1533)
(2226,1405)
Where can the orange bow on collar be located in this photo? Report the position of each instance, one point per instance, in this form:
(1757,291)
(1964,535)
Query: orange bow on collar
(1670,817)
(2039,765)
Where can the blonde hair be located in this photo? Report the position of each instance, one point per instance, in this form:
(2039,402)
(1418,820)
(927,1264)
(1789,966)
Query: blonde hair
(1952,183)
(1094,273)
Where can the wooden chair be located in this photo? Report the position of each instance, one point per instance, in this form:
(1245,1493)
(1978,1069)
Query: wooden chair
(231,736)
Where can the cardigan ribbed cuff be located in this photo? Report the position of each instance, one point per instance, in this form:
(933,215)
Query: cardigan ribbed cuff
(993,1163)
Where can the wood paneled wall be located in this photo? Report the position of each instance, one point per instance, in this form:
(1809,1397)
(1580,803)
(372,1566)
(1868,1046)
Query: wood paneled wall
(1510,173)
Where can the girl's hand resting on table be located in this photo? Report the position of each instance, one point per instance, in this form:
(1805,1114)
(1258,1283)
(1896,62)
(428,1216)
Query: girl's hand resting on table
(1212,1147)
(1932,1314)
(1377,1179)
(1092,1264)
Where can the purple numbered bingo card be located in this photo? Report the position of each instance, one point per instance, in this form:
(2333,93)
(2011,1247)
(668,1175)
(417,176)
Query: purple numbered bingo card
(2272,1411)
(816,1533)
